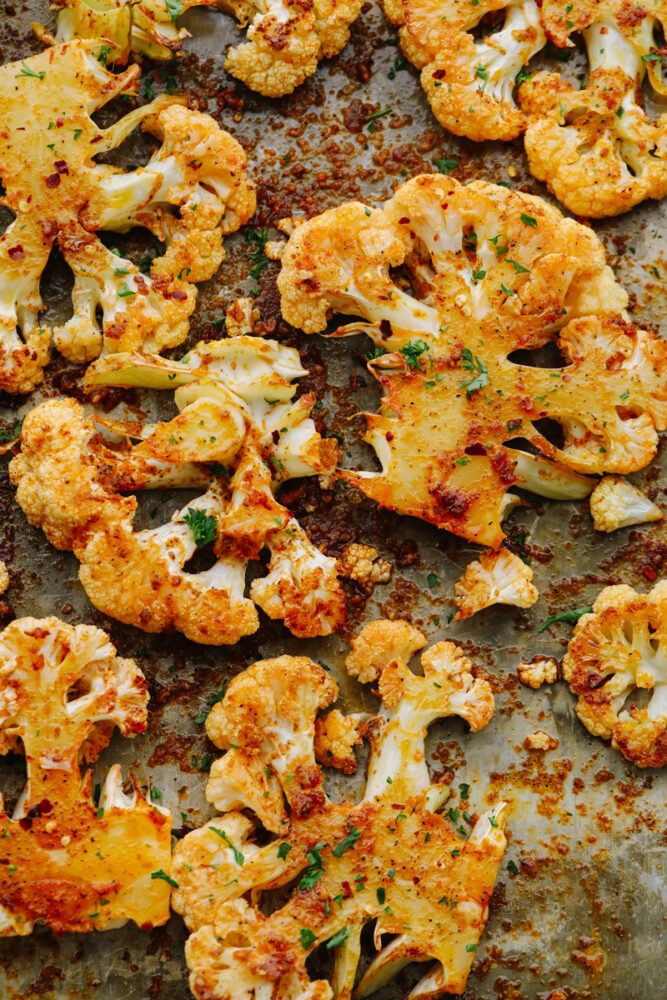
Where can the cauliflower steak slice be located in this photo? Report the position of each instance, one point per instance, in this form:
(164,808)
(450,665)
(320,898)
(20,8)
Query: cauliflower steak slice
(192,191)
(391,859)
(285,40)
(484,273)
(66,861)
(615,653)
(239,434)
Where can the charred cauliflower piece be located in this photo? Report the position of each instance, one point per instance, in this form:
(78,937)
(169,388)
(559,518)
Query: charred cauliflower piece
(616,503)
(285,41)
(239,434)
(487,272)
(470,82)
(66,861)
(596,148)
(496,578)
(391,858)
(616,658)
(191,192)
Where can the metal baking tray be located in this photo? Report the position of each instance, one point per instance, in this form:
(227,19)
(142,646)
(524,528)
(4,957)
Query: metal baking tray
(586,912)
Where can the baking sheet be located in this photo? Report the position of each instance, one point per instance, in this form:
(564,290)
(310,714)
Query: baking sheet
(586,912)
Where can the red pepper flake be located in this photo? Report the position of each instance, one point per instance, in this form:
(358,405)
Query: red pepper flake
(440,74)
(178,294)
(17,252)
(61,167)
(52,181)
(403,221)
(347,889)
(649,573)
(60,122)
(398,805)
(389,436)
(385,329)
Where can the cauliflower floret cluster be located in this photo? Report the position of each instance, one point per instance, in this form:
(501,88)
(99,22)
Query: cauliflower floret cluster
(239,434)
(496,578)
(486,272)
(616,663)
(595,147)
(616,503)
(285,41)
(192,191)
(69,862)
(391,858)
(470,82)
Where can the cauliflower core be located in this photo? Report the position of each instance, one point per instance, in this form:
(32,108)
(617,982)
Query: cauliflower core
(616,503)
(65,860)
(239,434)
(191,192)
(486,272)
(285,41)
(391,858)
(616,663)
(497,578)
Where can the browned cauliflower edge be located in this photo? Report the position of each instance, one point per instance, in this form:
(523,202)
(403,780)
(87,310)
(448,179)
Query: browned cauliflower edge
(239,434)
(192,192)
(391,859)
(487,272)
(286,39)
(66,861)
(616,653)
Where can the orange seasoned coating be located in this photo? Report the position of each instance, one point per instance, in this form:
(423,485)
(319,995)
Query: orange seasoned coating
(66,861)
(617,651)
(392,858)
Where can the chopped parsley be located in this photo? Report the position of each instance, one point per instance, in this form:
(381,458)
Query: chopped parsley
(432,580)
(307,936)
(571,617)
(471,947)
(347,842)
(103,54)
(445,165)
(256,240)
(476,367)
(316,870)
(124,291)
(381,895)
(26,71)
(511,867)
(529,220)
(165,878)
(338,938)
(175,8)
(203,526)
(412,352)
(238,856)
(283,850)
(11,433)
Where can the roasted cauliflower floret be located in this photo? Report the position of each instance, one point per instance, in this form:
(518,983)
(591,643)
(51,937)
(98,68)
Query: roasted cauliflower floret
(192,191)
(496,578)
(4,577)
(491,272)
(616,663)
(470,82)
(238,433)
(285,41)
(616,503)
(596,148)
(401,866)
(541,670)
(66,861)
(335,737)
(378,645)
(362,563)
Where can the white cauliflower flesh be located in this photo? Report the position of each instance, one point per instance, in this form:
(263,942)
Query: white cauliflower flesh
(66,861)
(496,578)
(491,272)
(400,865)
(240,435)
(285,39)
(616,503)
(616,663)
(192,191)
(4,578)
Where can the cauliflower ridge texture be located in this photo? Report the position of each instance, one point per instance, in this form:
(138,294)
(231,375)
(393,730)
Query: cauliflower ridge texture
(191,192)
(285,39)
(66,861)
(616,653)
(392,858)
(496,578)
(239,434)
(488,272)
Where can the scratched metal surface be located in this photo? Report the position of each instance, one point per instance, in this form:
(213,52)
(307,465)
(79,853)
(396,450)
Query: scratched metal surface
(586,829)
